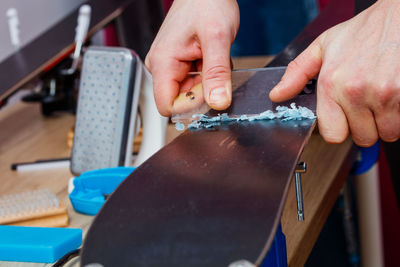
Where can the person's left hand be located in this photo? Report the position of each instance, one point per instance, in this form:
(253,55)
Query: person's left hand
(358,63)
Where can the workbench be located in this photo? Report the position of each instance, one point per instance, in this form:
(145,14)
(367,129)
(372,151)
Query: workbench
(27,136)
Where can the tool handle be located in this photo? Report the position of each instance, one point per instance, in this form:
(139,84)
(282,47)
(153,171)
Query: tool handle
(13,23)
(81,31)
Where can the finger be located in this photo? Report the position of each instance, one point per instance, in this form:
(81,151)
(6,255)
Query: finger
(362,125)
(352,97)
(216,71)
(302,69)
(332,122)
(167,75)
(199,65)
(388,124)
(384,102)
(189,82)
(147,62)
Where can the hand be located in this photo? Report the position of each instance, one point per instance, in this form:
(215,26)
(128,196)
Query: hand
(358,63)
(199,34)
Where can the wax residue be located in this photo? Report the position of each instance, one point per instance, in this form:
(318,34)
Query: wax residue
(179,126)
(282,113)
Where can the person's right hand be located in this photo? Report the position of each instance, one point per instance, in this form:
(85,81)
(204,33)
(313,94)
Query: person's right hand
(195,33)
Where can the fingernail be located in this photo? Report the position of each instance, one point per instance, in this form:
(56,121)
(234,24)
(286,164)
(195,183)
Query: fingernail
(218,96)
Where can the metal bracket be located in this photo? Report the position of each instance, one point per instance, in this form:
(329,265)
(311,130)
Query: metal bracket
(300,168)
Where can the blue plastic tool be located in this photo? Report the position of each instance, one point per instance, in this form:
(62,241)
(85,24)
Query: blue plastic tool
(368,156)
(37,244)
(276,256)
(92,187)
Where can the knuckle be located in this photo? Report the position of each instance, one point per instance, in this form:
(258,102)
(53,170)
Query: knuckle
(217,72)
(150,58)
(155,52)
(326,81)
(147,61)
(293,65)
(384,93)
(354,90)
(217,32)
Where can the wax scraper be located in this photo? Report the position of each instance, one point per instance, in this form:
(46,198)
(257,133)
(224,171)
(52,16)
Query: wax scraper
(192,103)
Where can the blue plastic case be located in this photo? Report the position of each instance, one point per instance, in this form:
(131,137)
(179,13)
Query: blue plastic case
(92,187)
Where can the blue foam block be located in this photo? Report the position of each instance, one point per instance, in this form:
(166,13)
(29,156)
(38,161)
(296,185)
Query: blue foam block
(37,244)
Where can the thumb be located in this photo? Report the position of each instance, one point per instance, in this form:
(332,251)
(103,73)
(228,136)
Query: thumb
(216,71)
(302,69)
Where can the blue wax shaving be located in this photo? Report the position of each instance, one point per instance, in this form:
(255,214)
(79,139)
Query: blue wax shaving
(243,118)
(226,118)
(283,113)
(180,126)
(267,115)
(210,125)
